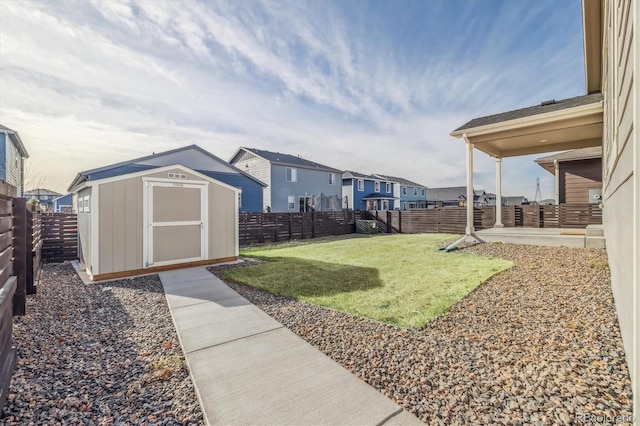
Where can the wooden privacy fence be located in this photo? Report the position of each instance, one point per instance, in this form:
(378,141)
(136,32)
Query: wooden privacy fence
(59,237)
(453,220)
(257,228)
(18,271)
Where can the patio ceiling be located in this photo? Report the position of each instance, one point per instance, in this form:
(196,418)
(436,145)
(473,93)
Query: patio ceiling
(555,126)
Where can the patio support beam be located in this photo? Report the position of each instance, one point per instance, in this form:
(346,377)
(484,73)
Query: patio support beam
(556,173)
(469,145)
(498,223)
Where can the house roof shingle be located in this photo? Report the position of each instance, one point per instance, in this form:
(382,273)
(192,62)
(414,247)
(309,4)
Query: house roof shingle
(401,181)
(531,111)
(289,160)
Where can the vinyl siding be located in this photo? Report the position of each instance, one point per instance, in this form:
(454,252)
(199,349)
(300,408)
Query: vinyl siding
(260,169)
(14,165)
(3,156)
(309,182)
(577,178)
(620,96)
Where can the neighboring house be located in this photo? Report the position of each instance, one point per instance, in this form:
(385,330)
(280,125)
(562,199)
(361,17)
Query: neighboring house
(608,115)
(515,200)
(368,192)
(578,175)
(44,196)
(145,220)
(455,196)
(411,195)
(292,181)
(12,155)
(63,204)
(195,158)
(491,199)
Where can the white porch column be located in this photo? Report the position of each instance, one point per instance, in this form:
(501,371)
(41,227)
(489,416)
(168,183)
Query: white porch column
(469,229)
(498,223)
(556,166)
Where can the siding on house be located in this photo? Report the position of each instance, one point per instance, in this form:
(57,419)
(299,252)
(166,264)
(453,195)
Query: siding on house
(14,164)
(619,170)
(3,156)
(308,182)
(260,169)
(369,188)
(577,178)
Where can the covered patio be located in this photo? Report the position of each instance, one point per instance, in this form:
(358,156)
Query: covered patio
(549,127)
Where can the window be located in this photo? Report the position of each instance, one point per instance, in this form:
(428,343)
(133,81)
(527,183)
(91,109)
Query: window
(404,205)
(80,205)
(377,187)
(385,205)
(360,185)
(388,188)
(45,197)
(415,191)
(423,192)
(332,178)
(240,200)
(404,191)
(292,174)
(87,209)
(291,201)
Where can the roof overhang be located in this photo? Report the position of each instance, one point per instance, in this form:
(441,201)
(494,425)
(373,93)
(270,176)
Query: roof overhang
(592,31)
(560,130)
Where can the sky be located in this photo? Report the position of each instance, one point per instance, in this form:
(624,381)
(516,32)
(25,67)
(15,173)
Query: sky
(368,86)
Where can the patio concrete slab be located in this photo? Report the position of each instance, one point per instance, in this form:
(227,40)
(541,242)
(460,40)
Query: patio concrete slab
(249,369)
(555,237)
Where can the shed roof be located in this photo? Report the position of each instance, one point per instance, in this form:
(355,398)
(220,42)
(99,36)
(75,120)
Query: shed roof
(15,137)
(287,159)
(132,166)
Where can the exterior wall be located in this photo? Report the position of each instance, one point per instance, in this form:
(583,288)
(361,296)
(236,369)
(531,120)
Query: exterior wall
(121,222)
(309,182)
(67,200)
(14,164)
(620,170)
(252,191)
(3,156)
(369,188)
(419,201)
(348,193)
(577,178)
(260,169)
(84,231)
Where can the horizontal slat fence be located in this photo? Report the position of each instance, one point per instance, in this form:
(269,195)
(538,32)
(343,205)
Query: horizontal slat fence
(258,228)
(59,232)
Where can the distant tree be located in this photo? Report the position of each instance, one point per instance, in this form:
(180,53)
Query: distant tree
(33,179)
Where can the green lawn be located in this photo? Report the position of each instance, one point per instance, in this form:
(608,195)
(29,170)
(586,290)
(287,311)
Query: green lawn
(398,279)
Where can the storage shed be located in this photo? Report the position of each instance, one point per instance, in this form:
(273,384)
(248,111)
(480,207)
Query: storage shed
(153,220)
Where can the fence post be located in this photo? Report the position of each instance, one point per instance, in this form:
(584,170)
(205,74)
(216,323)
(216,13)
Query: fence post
(29,251)
(400,221)
(313,225)
(389,227)
(290,227)
(19,255)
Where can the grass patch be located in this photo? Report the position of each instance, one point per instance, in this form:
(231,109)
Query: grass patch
(398,279)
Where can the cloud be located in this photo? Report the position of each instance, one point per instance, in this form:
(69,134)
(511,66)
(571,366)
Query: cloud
(363,86)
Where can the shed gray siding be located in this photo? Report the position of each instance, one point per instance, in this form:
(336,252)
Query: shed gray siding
(260,169)
(309,182)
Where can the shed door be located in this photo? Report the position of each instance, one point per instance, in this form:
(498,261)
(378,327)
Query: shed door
(175,223)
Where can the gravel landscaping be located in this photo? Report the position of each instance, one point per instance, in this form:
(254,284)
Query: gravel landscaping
(536,344)
(99,354)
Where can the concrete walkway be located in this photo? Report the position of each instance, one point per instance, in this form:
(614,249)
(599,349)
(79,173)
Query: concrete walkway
(248,368)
